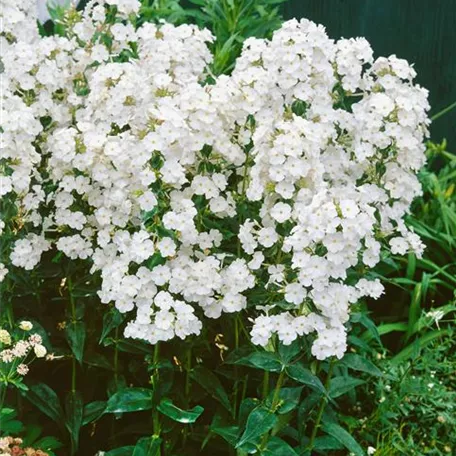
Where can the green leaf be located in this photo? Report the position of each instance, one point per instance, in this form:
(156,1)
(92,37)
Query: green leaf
(326,442)
(111,320)
(130,400)
(278,447)
(387,328)
(133,346)
(45,399)
(341,435)
(259,422)
(7,413)
(359,343)
(8,422)
(261,360)
(342,385)
(288,352)
(121,451)
(75,333)
(302,375)
(212,385)
(359,363)
(245,409)
(32,433)
(97,360)
(419,294)
(148,446)
(19,384)
(288,399)
(12,427)
(48,443)
(93,411)
(229,433)
(167,407)
(73,420)
(417,345)
(368,324)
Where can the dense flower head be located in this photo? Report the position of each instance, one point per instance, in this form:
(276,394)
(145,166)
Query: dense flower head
(14,446)
(15,350)
(192,195)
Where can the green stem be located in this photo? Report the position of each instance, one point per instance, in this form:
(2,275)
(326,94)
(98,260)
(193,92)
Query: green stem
(321,408)
(443,111)
(276,397)
(188,368)
(274,404)
(3,389)
(244,388)
(116,380)
(116,359)
(73,320)
(73,376)
(244,177)
(10,314)
(265,384)
(155,379)
(236,370)
(243,190)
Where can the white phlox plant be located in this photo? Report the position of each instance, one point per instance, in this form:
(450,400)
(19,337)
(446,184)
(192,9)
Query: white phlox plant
(272,191)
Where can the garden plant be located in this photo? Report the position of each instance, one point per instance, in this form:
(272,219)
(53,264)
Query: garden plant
(221,233)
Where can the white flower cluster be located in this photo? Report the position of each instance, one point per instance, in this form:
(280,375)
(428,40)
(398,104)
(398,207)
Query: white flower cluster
(284,180)
(14,356)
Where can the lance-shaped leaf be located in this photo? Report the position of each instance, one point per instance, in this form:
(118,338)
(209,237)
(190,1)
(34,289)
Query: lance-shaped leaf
(130,400)
(148,446)
(73,418)
(46,400)
(305,376)
(342,385)
(278,447)
(75,332)
(259,422)
(167,407)
(93,411)
(342,436)
(359,363)
(212,385)
(121,451)
(259,359)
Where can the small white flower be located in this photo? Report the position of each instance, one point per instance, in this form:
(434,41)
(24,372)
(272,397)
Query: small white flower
(267,237)
(399,246)
(295,293)
(256,261)
(349,208)
(281,212)
(147,201)
(167,247)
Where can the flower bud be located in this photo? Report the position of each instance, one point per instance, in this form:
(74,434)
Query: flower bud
(40,351)
(25,325)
